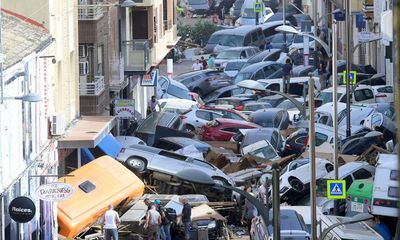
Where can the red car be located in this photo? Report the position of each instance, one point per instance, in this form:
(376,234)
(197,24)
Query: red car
(222,129)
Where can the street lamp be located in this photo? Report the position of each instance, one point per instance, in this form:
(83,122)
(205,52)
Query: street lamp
(357,218)
(30,97)
(290,29)
(128,4)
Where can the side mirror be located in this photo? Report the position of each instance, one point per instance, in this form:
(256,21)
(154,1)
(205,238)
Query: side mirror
(296,117)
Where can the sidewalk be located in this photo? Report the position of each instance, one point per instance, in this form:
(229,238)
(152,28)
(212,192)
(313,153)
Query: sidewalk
(179,68)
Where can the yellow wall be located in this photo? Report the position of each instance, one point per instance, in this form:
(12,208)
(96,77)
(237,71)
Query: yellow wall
(64,28)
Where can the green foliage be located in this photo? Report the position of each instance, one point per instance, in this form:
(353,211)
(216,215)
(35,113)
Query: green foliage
(199,33)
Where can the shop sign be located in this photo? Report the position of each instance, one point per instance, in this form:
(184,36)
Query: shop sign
(54,191)
(22,209)
(125,108)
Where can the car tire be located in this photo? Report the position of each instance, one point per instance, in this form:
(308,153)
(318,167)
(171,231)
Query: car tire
(136,164)
(296,184)
(190,129)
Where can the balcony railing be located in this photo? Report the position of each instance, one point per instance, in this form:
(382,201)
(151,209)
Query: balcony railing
(136,55)
(92,88)
(90,12)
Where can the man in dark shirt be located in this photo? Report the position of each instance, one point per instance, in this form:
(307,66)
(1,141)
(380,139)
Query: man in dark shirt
(186,217)
(287,72)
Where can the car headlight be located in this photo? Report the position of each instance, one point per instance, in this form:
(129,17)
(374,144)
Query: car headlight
(212,224)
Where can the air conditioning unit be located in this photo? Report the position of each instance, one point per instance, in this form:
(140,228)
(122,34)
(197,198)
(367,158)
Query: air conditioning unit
(57,124)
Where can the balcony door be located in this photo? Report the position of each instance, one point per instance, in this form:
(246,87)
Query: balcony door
(139,23)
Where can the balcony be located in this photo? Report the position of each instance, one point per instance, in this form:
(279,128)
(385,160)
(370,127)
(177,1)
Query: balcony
(90,12)
(136,55)
(94,88)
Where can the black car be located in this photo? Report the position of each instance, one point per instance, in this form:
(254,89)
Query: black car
(295,143)
(228,91)
(274,100)
(176,143)
(356,145)
(272,117)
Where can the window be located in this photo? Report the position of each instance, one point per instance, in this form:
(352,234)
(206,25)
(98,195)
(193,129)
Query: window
(247,40)
(259,75)
(343,99)
(100,54)
(393,192)
(394,175)
(83,51)
(232,130)
(215,115)
(273,57)
(349,181)
(268,70)
(320,138)
(254,36)
(203,115)
(278,119)
(363,94)
(362,174)
(387,89)
(83,68)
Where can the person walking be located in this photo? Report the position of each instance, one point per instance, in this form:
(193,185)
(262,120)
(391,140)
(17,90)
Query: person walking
(249,212)
(151,105)
(262,194)
(322,74)
(110,223)
(211,61)
(186,217)
(203,62)
(197,65)
(287,72)
(153,221)
(165,227)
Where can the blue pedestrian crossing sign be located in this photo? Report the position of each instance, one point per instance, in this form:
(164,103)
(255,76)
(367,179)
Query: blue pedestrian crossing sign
(336,189)
(258,7)
(353,77)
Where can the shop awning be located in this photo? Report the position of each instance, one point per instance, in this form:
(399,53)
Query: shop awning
(87,132)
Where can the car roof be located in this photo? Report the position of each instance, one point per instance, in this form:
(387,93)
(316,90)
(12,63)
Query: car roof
(346,169)
(240,31)
(234,121)
(269,24)
(184,141)
(255,103)
(261,55)
(292,80)
(193,73)
(289,220)
(235,98)
(254,67)
(238,48)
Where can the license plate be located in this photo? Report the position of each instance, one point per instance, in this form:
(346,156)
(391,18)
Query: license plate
(357,207)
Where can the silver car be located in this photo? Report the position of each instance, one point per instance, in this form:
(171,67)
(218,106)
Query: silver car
(141,158)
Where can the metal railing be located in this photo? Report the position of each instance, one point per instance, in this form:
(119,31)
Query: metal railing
(94,88)
(90,12)
(136,55)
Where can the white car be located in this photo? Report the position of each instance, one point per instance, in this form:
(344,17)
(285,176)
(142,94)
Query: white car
(383,93)
(176,105)
(295,178)
(362,94)
(196,118)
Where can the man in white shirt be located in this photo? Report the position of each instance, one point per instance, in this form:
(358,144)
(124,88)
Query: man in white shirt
(197,65)
(153,221)
(110,224)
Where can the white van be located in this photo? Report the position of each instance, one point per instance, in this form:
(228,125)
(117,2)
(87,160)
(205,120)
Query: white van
(355,231)
(385,196)
(248,16)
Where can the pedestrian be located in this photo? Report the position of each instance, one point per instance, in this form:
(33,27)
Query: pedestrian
(186,217)
(151,105)
(165,228)
(211,61)
(110,223)
(197,65)
(249,212)
(203,62)
(254,187)
(153,221)
(287,72)
(214,18)
(148,203)
(382,228)
(263,192)
(322,74)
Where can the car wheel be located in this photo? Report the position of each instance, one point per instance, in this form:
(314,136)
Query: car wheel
(329,168)
(296,184)
(136,164)
(189,128)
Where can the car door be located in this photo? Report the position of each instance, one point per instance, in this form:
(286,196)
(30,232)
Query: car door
(258,75)
(202,117)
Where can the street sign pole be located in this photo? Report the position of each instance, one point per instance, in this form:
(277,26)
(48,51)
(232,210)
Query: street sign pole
(311,137)
(258,8)
(348,66)
(284,23)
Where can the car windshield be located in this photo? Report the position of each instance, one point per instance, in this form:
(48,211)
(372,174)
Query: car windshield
(178,92)
(197,2)
(242,76)
(327,97)
(228,54)
(286,105)
(226,40)
(255,107)
(300,38)
(249,13)
(278,38)
(238,5)
(231,66)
